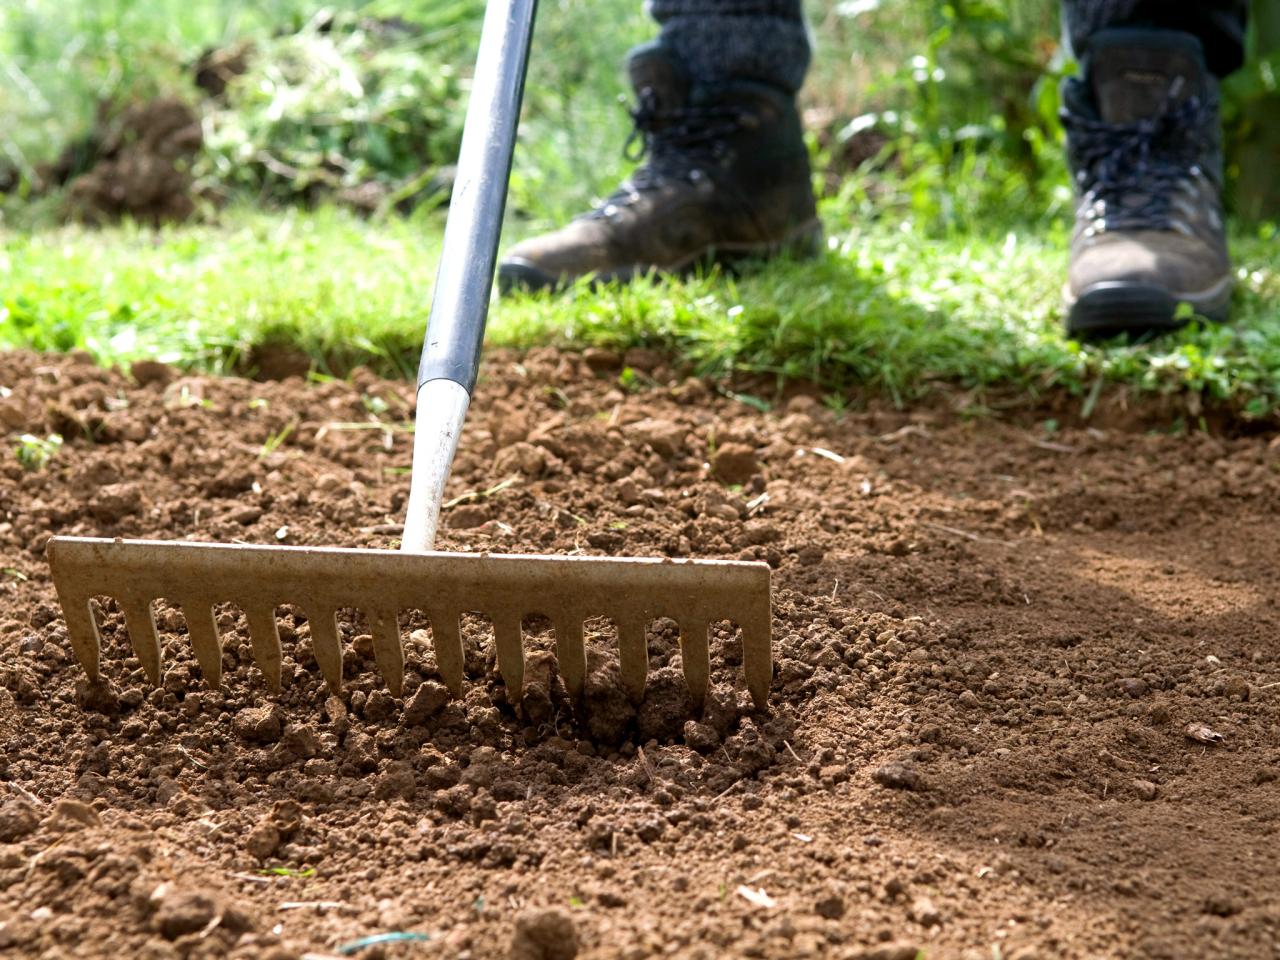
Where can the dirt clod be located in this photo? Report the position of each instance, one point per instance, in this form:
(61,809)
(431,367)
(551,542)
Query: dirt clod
(898,775)
(1237,688)
(396,781)
(69,814)
(1134,687)
(300,739)
(17,819)
(925,912)
(427,701)
(544,935)
(181,912)
(1145,789)
(260,724)
(147,372)
(115,501)
(735,463)
(263,840)
(830,906)
(468,516)
(664,436)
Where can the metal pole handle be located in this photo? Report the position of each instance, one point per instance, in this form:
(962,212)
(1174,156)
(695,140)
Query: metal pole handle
(455,330)
(451,349)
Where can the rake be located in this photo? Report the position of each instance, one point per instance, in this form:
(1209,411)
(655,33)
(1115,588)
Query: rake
(385,583)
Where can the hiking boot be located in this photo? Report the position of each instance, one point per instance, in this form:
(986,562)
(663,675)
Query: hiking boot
(725,178)
(1144,142)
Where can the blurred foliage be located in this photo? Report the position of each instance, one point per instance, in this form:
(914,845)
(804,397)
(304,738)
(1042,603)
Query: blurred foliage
(345,101)
(1252,99)
(939,111)
(964,114)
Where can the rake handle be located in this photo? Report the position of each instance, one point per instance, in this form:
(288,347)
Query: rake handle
(460,305)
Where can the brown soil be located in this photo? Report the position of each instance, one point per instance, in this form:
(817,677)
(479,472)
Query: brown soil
(990,648)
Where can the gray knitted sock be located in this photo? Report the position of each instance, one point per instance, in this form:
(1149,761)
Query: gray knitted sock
(717,40)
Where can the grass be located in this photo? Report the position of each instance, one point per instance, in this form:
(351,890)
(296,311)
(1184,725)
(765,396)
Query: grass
(928,281)
(888,310)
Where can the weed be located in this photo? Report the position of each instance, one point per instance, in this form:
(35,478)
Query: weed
(273,442)
(34,453)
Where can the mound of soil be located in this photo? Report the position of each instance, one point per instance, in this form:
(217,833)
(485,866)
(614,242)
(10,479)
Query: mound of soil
(135,163)
(1024,702)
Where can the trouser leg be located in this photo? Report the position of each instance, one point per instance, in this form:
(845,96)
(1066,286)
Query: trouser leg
(1220,24)
(718,40)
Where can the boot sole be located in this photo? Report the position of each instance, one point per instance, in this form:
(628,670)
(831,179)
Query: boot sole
(804,241)
(1116,308)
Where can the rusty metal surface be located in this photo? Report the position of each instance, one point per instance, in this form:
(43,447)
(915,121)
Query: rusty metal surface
(383,583)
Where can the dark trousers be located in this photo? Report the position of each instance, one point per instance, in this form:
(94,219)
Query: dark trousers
(765,40)
(1218,23)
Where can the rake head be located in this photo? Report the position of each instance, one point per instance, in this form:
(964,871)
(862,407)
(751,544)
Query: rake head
(383,583)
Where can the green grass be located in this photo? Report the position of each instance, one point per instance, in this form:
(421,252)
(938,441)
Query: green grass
(889,310)
(933,284)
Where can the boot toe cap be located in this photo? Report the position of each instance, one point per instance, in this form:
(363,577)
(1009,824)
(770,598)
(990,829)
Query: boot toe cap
(516,273)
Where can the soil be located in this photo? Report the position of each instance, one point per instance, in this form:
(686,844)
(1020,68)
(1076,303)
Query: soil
(1024,706)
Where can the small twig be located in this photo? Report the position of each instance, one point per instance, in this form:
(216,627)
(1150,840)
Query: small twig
(209,927)
(910,430)
(644,763)
(190,756)
(250,878)
(726,791)
(1050,445)
(26,794)
(796,756)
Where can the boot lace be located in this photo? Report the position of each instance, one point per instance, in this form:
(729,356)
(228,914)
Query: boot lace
(1145,175)
(675,144)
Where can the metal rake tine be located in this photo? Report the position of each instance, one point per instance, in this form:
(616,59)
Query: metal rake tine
(82,631)
(264,634)
(506,635)
(141,624)
(384,625)
(633,657)
(696,657)
(202,630)
(757,658)
(446,637)
(326,647)
(571,654)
